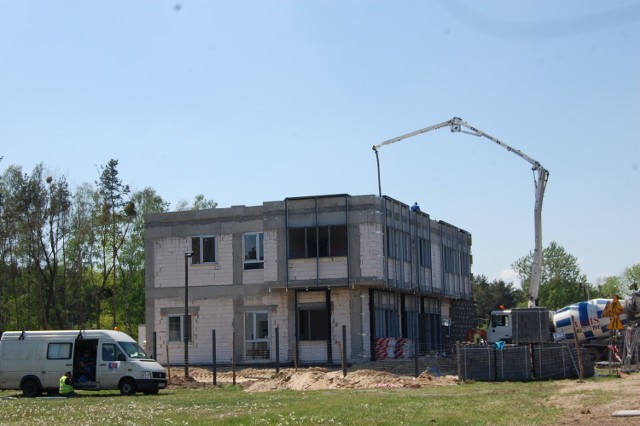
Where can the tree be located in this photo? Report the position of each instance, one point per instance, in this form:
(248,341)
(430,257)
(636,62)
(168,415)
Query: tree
(490,296)
(621,285)
(561,281)
(631,277)
(611,286)
(115,219)
(199,203)
(82,253)
(15,268)
(131,264)
(34,223)
(51,239)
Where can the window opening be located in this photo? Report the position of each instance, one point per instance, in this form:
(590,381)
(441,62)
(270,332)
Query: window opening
(321,241)
(176,328)
(313,323)
(253,250)
(256,334)
(204,249)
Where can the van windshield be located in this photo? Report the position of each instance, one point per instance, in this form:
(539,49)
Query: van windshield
(133,350)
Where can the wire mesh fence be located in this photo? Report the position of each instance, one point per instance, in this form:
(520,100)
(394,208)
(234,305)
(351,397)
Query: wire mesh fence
(398,355)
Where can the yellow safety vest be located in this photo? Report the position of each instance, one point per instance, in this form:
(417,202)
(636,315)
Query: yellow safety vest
(64,387)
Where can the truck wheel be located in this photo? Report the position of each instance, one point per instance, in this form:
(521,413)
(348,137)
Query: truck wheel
(595,354)
(31,388)
(127,387)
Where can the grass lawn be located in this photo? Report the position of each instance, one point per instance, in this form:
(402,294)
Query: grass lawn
(473,403)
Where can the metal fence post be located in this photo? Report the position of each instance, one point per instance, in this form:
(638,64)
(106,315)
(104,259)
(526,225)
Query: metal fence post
(214,361)
(277,350)
(344,351)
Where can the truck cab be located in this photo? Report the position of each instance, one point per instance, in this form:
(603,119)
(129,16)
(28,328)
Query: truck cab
(500,327)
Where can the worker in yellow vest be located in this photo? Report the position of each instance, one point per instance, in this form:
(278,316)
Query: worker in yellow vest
(66,386)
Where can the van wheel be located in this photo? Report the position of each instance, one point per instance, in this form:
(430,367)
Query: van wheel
(127,387)
(31,388)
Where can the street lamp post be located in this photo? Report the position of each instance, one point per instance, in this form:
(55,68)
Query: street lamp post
(185,336)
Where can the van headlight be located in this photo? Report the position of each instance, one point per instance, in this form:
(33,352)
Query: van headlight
(145,374)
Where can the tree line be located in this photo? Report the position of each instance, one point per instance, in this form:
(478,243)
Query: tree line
(75,259)
(71,260)
(561,284)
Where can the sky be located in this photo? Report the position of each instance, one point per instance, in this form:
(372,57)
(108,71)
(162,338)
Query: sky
(248,101)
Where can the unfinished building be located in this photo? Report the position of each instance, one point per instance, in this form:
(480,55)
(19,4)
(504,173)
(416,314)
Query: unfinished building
(312,278)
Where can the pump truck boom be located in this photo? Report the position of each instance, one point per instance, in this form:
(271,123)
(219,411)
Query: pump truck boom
(456,124)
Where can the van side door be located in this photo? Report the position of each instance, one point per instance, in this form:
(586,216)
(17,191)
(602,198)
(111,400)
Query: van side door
(111,365)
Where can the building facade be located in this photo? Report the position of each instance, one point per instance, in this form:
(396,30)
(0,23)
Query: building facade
(305,280)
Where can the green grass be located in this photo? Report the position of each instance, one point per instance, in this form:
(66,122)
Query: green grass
(473,404)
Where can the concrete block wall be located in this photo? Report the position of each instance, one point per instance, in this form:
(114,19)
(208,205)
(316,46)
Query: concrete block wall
(169,258)
(206,316)
(168,255)
(371,250)
(224,316)
(253,276)
(323,268)
(361,337)
(340,316)
(270,255)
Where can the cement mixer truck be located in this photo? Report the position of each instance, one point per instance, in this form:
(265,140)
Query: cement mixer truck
(583,321)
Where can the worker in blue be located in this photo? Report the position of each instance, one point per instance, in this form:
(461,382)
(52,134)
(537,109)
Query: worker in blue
(415,208)
(66,386)
(87,366)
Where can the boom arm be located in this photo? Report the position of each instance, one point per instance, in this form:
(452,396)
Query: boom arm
(456,124)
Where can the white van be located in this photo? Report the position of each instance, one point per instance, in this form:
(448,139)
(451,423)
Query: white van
(34,361)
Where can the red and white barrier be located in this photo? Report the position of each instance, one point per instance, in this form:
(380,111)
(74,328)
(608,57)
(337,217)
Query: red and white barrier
(393,348)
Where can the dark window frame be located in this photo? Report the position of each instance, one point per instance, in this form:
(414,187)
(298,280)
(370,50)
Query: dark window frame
(171,332)
(424,252)
(204,249)
(318,241)
(313,324)
(257,262)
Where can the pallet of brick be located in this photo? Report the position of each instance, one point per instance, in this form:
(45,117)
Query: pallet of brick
(531,325)
(477,362)
(558,361)
(513,363)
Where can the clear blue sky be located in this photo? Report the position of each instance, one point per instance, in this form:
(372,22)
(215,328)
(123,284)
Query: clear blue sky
(252,101)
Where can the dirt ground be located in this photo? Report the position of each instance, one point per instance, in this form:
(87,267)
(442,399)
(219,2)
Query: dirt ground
(311,378)
(621,394)
(581,409)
